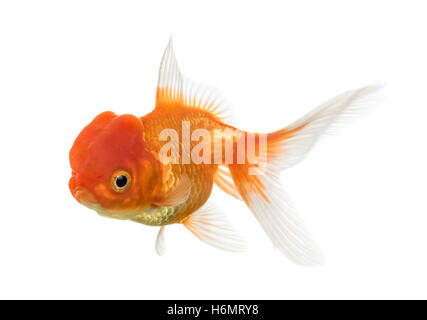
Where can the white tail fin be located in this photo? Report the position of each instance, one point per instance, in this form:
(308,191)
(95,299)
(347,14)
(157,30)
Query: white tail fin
(263,193)
(294,142)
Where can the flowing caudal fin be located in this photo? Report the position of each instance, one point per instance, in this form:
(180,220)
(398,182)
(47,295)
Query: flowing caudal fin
(263,193)
(288,146)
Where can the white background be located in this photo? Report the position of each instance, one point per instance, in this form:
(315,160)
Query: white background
(362,192)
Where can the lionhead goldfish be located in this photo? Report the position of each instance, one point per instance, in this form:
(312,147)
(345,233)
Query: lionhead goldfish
(155,170)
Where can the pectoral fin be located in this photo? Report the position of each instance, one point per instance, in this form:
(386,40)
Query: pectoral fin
(178,195)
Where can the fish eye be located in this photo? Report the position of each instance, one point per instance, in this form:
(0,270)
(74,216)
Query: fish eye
(120,181)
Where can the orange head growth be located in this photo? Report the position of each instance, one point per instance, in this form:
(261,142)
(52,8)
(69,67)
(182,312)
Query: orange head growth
(112,172)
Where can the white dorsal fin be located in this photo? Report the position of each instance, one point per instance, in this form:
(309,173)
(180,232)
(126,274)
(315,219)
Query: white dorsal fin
(174,90)
(170,82)
(211,226)
(161,242)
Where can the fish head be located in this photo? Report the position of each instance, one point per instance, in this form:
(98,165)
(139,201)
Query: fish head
(110,166)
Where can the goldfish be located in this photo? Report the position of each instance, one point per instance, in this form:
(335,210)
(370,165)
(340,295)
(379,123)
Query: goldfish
(159,169)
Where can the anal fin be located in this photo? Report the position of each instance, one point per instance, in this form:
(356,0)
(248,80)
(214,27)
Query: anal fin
(223,180)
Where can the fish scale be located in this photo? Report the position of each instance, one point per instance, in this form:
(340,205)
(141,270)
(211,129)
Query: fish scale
(201,176)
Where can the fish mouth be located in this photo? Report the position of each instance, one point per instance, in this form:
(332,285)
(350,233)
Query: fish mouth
(80,193)
(87,199)
(83,196)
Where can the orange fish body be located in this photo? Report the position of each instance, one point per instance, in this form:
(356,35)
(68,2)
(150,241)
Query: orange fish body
(199,176)
(121,168)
